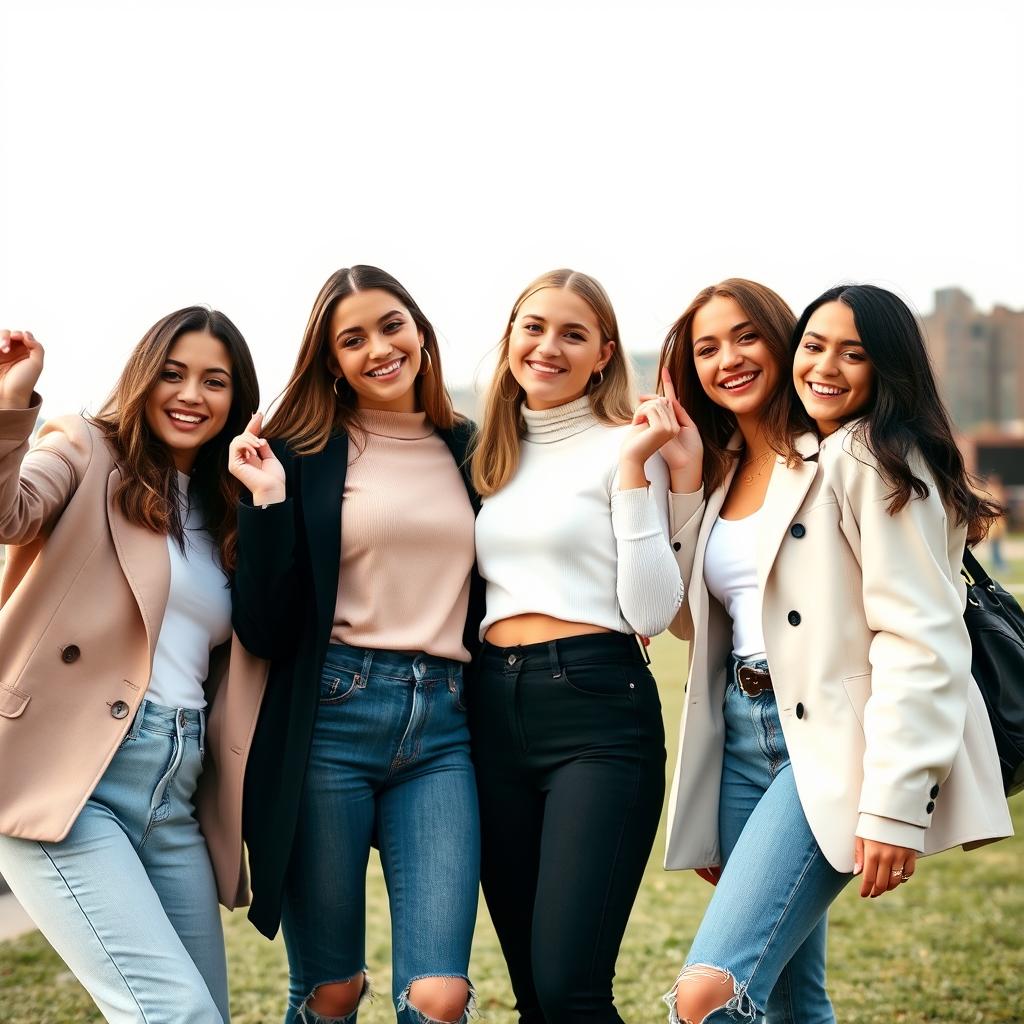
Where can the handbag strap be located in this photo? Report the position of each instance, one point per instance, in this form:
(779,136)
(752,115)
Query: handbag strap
(977,572)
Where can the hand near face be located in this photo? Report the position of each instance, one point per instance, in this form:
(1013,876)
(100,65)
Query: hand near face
(21,363)
(251,461)
(654,425)
(884,867)
(683,453)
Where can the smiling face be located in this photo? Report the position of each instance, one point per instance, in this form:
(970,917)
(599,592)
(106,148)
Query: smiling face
(376,346)
(832,374)
(555,347)
(734,364)
(190,402)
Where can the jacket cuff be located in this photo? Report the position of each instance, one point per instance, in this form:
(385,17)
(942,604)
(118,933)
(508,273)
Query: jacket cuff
(18,424)
(907,804)
(888,830)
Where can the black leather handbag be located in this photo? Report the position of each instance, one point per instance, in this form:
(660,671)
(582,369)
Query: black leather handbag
(996,624)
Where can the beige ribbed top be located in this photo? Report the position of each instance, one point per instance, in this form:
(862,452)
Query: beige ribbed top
(406,541)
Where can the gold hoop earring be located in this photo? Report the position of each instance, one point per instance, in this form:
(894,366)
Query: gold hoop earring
(425,354)
(336,379)
(598,382)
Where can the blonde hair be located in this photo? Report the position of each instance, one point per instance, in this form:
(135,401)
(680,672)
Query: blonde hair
(612,398)
(312,406)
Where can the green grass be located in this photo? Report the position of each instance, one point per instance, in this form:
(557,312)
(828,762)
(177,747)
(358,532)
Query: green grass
(948,947)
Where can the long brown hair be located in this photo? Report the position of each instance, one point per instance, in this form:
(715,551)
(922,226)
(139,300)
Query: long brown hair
(148,492)
(783,417)
(311,410)
(612,399)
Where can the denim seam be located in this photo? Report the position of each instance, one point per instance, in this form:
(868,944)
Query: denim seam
(782,916)
(113,962)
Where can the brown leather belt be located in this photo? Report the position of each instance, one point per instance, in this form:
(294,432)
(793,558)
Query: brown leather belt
(753,681)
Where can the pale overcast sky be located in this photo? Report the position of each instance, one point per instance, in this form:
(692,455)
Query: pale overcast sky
(235,153)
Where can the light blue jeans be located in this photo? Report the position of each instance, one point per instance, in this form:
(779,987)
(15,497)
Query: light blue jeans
(389,766)
(767,922)
(128,898)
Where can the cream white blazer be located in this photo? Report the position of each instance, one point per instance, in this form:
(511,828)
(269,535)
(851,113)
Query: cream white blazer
(870,659)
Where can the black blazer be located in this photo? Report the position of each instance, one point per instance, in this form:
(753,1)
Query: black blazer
(284,594)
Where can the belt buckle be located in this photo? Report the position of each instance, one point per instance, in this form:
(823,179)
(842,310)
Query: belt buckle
(753,681)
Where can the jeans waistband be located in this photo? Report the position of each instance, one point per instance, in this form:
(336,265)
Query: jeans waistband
(189,722)
(403,666)
(586,649)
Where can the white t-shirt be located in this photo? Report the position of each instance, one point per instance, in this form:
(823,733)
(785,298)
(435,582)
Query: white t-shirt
(730,572)
(198,615)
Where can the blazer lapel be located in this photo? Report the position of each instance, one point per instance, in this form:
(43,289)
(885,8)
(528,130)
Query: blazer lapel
(144,561)
(322,484)
(786,492)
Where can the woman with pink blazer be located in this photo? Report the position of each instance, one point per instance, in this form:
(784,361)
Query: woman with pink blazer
(119,677)
(831,727)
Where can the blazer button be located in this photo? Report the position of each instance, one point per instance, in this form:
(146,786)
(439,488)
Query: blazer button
(676,545)
(118,709)
(935,791)
(799,710)
(793,618)
(797,530)
(931,806)
(69,653)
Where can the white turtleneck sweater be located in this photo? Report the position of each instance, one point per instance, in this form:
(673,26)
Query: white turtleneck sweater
(561,539)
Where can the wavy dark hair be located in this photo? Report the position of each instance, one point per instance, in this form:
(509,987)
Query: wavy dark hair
(148,491)
(905,410)
(783,418)
(311,410)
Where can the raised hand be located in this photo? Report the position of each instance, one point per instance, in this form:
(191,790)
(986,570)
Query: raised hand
(21,363)
(654,424)
(683,453)
(251,460)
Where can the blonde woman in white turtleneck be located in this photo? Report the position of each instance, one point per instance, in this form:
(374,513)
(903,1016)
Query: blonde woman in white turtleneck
(573,544)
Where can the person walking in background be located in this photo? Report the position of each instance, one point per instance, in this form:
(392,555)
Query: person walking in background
(996,494)
(832,728)
(115,637)
(568,740)
(357,580)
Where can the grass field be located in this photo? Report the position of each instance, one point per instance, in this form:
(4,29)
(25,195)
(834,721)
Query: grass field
(948,947)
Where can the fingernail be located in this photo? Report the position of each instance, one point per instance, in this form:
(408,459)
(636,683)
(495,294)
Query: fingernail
(858,868)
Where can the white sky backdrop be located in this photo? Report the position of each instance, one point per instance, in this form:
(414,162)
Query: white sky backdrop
(229,153)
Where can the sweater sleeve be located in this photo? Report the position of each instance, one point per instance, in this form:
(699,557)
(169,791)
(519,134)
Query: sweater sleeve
(648,584)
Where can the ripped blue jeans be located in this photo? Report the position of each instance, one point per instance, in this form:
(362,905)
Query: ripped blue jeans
(389,766)
(767,923)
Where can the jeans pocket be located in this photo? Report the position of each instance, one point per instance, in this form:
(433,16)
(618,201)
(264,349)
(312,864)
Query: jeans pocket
(600,680)
(337,685)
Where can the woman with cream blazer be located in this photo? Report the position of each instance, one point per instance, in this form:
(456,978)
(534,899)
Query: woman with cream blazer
(870,662)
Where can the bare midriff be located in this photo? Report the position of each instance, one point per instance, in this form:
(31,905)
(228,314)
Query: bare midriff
(534,628)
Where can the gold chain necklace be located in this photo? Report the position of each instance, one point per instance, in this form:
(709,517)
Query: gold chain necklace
(750,476)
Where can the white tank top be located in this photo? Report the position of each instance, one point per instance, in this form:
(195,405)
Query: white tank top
(730,572)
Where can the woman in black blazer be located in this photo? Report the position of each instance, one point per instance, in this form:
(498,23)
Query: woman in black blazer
(361,742)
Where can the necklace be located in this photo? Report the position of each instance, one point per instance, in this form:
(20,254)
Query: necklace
(747,468)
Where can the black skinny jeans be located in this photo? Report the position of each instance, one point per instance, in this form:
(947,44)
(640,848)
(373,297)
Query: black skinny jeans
(570,756)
